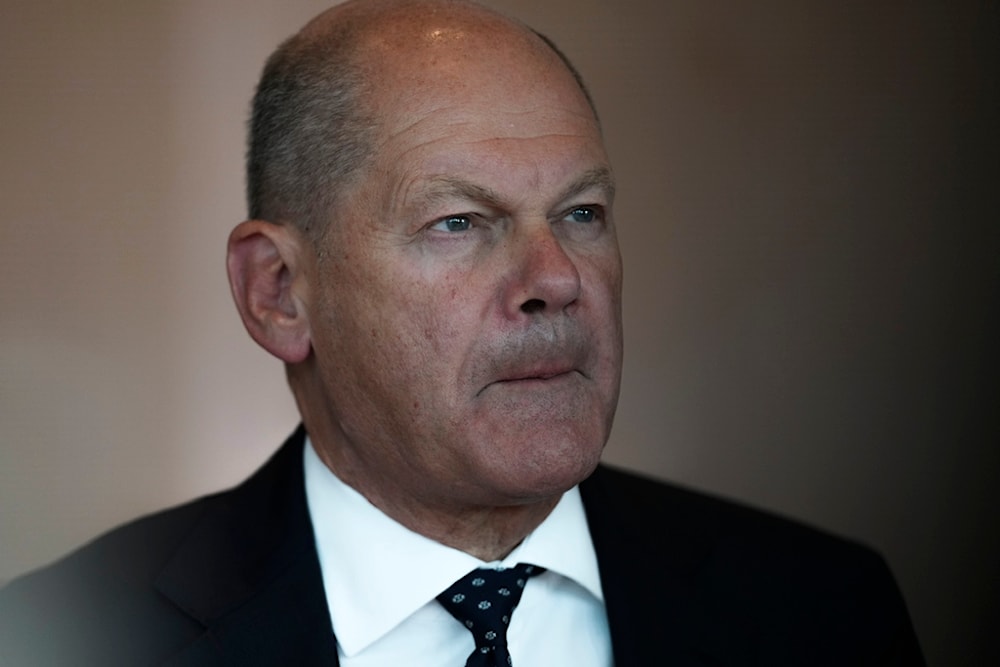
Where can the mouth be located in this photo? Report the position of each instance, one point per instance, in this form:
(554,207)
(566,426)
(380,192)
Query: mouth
(535,376)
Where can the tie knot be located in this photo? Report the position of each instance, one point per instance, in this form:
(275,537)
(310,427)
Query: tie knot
(483,602)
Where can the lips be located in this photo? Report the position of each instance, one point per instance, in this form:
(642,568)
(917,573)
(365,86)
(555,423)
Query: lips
(538,374)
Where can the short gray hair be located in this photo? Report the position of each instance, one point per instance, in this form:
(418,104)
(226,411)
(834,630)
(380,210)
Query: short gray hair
(309,133)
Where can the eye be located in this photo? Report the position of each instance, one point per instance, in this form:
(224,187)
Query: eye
(583,214)
(453,223)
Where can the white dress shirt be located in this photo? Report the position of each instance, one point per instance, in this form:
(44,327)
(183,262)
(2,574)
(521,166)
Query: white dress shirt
(381,580)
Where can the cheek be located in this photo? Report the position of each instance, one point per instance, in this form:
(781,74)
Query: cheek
(438,316)
(415,333)
(605,319)
(603,275)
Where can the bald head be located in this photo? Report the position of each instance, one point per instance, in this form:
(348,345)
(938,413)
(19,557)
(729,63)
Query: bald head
(325,94)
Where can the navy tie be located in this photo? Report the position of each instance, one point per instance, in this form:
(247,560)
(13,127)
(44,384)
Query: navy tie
(483,601)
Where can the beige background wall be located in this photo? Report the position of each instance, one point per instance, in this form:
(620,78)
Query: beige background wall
(807,214)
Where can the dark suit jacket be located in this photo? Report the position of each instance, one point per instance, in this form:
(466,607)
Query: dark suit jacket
(233,579)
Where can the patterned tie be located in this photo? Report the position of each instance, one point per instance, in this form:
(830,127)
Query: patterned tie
(483,601)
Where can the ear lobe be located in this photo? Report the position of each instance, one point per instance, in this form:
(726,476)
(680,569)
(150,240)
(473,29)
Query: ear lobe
(266,265)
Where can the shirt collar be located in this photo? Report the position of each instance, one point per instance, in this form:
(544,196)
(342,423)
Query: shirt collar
(376,572)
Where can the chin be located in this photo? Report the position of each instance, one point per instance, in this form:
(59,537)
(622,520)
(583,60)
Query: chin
(532,472)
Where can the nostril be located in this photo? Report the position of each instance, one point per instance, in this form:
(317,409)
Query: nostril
(532,306)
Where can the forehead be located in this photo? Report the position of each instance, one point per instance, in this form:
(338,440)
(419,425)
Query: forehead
(446,89)
(423,55)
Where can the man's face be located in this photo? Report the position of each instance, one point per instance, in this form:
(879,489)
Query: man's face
(465,308)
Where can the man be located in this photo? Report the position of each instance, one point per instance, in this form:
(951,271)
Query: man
(431,251)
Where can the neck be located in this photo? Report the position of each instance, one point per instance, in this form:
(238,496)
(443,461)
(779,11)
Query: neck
(488,533)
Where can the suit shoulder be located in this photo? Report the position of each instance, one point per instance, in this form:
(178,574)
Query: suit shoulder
(690,512)
(75,605)
(789,589)
(134,549)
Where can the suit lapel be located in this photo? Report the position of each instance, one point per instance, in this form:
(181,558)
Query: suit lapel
(655,565)
(249,573)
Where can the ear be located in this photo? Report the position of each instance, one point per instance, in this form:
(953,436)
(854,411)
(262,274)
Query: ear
(267,265)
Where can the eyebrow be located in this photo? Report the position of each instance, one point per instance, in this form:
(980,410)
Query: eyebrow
(599,178)
(443,187)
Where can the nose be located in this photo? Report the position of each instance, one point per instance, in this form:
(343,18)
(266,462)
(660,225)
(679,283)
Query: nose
(545,279)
